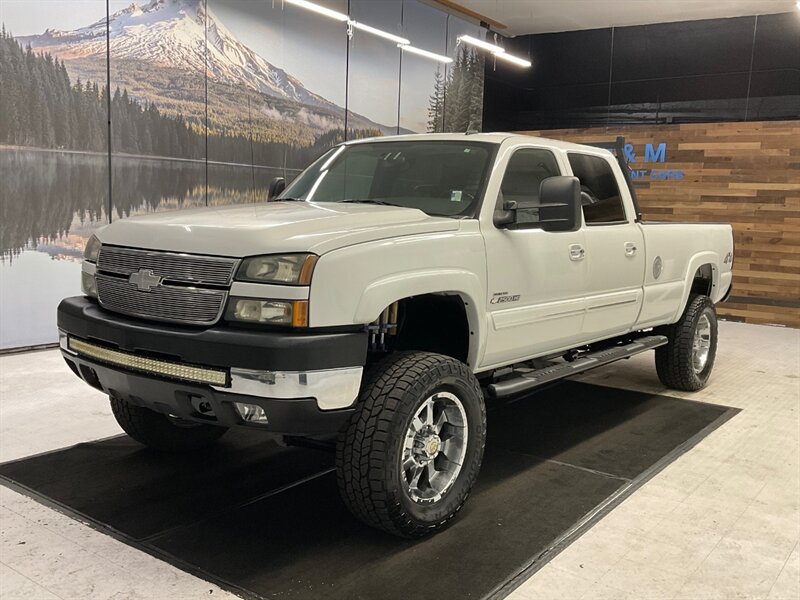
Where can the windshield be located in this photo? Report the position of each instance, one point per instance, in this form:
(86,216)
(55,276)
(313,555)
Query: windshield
(441,178)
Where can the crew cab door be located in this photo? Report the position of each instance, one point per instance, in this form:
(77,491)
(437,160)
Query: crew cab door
(615,254)
(535,278)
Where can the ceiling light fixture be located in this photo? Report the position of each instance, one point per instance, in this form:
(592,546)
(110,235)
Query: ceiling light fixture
(481,44)
(401,42)
(379,32)
(425,53)
(497,51)
(514,59)
(320,9)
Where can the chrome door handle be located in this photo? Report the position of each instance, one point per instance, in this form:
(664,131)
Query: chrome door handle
(576,252)
(630,248)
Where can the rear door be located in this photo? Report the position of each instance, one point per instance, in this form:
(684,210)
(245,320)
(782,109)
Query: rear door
(615,254)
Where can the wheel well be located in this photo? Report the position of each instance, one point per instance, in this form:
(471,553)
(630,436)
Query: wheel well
(703,281)
(430,322)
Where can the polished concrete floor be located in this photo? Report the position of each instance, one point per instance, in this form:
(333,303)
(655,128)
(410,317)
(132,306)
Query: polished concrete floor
(723,521)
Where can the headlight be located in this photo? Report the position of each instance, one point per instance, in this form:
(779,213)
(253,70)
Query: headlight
(268,312)
(92,250)
(291,269)
(89,285)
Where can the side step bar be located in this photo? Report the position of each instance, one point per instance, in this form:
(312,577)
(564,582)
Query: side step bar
(524,379)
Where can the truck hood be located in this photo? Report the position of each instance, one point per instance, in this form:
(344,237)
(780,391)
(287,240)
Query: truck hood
(270,227)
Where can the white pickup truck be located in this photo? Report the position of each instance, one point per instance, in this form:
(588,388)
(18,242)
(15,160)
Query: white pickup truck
(395,286)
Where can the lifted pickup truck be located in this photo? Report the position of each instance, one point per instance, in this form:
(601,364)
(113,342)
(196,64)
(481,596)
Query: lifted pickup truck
(395,286)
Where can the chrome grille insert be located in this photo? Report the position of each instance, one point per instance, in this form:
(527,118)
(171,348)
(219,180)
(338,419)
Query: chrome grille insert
(171,303)
(170,266)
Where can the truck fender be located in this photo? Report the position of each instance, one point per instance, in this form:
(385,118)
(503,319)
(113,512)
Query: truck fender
(695,262)
(384,291)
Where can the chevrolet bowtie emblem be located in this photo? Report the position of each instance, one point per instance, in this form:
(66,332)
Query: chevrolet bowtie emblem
(144,280)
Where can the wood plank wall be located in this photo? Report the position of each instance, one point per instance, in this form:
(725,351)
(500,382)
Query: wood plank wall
(746,174)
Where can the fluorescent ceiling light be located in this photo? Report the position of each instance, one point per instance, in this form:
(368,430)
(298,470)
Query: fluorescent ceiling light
(425,53)
(481,44)
(497,50)
(513,59)
(320,9)
(379,32)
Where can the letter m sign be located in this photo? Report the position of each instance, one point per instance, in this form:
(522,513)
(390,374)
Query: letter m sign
(657,155)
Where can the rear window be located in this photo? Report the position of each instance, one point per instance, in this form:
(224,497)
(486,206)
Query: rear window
(600,195)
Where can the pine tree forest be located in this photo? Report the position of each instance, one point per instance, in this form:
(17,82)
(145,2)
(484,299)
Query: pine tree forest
(457,100)
(40,107)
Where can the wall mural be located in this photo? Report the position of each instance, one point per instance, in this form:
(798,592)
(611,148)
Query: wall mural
(209,100)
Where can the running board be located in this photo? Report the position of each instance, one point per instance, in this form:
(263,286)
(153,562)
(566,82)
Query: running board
(527,379)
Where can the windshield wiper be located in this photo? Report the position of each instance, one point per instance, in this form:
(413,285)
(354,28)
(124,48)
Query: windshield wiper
(288,200)
(367,201)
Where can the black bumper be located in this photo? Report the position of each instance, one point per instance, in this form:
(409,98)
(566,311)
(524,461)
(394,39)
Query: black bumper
(223,347)
(215,346)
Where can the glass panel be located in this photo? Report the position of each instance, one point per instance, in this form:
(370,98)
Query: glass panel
(374,75)
(421,78)
(463,97)
(524,175)
(272,107)
(53,158)
(439,178)
(600,195)
(157,105)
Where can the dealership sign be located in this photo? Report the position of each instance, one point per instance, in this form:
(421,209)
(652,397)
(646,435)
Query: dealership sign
(652,154)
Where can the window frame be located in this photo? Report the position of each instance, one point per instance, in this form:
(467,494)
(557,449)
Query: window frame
(587,223)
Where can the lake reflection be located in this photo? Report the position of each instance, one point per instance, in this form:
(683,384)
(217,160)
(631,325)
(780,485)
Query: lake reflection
(52,201)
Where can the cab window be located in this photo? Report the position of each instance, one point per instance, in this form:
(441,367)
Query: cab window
(526,170)
(600,195)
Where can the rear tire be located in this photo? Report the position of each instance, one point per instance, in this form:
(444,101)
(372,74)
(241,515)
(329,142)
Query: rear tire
(160,432)
(687,360)
(409,456)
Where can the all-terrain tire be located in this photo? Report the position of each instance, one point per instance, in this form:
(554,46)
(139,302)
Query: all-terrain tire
(370,447)
(676,362)
(159,432)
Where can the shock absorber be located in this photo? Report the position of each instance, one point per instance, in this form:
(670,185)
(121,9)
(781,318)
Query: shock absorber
(386,325)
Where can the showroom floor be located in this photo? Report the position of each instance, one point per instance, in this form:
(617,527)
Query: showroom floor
(722,521)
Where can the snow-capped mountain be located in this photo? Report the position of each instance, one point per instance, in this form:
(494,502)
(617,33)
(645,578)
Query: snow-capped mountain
(172,33)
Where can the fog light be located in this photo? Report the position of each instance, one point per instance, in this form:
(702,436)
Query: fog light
(251,413)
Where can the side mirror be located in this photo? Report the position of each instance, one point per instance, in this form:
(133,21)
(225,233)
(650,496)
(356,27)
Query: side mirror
(560,204)
(276,186)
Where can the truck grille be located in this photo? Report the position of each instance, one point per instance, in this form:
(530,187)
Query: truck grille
(177,304)
(170,266)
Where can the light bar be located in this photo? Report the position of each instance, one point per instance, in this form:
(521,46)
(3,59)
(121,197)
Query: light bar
(379,32)
(148,365)
(320,9)
(513,59)
(425,53)
(481,44)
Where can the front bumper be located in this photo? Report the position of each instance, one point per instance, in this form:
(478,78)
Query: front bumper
(305,383)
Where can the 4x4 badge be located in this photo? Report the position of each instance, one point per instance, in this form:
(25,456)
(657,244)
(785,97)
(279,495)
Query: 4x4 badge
(144,280)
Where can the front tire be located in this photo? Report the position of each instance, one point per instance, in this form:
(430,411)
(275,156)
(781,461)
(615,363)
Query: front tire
(160,432)
(408,458)
(687,360)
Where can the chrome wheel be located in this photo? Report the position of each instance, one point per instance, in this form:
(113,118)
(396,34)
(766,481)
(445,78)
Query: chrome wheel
(701,346)
(434,447)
